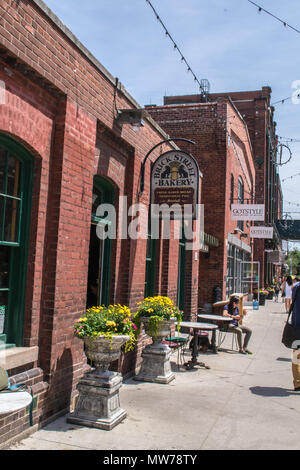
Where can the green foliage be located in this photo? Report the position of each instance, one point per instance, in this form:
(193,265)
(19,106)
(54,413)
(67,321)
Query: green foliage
(108,322)
(157,309)
(293,260)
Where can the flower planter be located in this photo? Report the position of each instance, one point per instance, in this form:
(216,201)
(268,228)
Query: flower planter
(156,366)
(262,299)
(270,296)
(98,404)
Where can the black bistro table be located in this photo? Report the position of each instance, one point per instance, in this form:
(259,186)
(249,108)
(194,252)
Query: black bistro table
(215,319)
(197,326)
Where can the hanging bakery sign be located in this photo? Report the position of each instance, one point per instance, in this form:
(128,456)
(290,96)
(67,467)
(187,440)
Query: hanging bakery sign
(175,182)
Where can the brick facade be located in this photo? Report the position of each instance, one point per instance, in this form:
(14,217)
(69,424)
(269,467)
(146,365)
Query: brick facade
(61,106)
(209,125)
(258,114)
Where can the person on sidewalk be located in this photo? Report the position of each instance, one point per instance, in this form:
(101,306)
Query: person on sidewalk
(296,322)
(287,292)
(277,290)
(232,310)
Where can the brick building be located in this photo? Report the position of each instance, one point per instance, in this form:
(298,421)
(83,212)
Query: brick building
(258,114)
(224,153)
(63,150)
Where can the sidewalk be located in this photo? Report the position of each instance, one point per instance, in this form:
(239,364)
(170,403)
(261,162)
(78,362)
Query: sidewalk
(242,402)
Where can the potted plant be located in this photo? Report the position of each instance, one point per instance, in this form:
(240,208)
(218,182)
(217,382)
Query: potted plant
(262,296)
(104,331)
(157,314)
(271,292)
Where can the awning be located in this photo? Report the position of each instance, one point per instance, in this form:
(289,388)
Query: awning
(210,240)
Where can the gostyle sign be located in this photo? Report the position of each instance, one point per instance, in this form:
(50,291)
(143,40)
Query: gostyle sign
(261,232)
(175,183)
(248,212)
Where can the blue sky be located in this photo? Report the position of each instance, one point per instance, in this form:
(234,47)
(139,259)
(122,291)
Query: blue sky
(225,41)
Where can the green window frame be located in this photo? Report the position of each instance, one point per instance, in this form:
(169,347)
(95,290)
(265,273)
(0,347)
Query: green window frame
(106,195)
(20,202)
(181,273)
(149,290)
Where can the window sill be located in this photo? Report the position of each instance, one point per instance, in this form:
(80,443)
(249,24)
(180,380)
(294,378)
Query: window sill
(12,358)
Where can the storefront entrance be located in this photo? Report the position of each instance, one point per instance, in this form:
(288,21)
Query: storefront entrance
(99,272)
(16,169)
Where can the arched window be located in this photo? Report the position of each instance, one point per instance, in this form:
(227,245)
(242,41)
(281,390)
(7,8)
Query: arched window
(240,200)
(232,190)
(15,207)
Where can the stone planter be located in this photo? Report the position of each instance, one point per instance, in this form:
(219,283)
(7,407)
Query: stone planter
(156,366)
(98,404)
(262,299)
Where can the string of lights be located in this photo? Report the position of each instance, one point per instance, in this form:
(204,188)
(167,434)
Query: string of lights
(288,139)
(292,203)
(286,99)
(203,84)
(290,177)
(276,17)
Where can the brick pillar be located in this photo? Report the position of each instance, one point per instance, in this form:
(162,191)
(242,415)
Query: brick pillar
(66,252)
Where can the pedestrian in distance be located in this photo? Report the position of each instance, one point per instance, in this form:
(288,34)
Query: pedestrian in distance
(287,292)
(277,290)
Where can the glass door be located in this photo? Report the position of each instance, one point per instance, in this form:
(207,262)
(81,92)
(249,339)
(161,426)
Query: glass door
(249,276)
(181,274)
(99,271)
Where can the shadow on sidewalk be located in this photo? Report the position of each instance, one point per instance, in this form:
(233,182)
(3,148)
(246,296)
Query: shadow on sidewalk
(273,391)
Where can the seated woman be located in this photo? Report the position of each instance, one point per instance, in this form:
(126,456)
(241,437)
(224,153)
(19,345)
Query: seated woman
(232,310)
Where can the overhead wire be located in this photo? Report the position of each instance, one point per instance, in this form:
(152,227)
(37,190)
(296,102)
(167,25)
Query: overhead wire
(183,59)
(274,16)
(285,99)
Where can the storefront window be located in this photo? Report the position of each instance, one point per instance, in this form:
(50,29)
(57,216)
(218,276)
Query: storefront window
(16,169)
(10,200)
(235,257)
(240,200)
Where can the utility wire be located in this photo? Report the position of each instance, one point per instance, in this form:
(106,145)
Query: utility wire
(276,17)
(183,59)
(288,139)
(290,177)
(285,99)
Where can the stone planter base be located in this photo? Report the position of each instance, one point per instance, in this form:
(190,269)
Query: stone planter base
(105,424)
(156,365)
(98,403)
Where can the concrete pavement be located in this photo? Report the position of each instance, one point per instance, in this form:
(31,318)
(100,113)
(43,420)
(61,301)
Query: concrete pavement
(242,402)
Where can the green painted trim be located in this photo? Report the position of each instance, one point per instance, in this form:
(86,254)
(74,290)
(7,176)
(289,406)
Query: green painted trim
(14,327)
(108,193)
(181,274)
(150,267)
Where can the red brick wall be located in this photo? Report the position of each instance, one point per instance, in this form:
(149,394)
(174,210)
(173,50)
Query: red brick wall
(62,107)
(208,125)
(255,109)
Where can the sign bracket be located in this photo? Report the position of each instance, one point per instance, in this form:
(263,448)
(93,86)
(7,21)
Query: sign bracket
(142,184)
